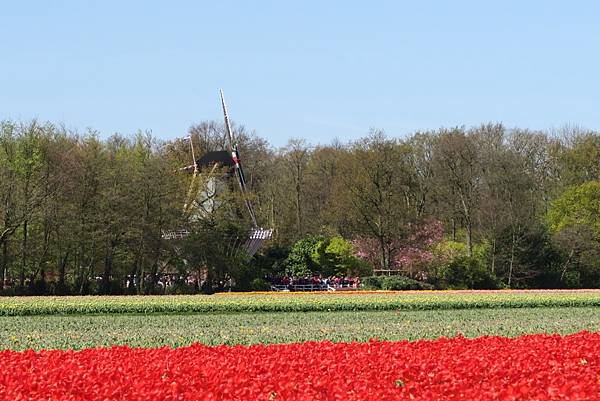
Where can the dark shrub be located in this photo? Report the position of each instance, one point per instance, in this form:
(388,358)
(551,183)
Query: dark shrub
(466,272)
(393,283)
(180,288)
(400,283)
(259,284)
(371,282)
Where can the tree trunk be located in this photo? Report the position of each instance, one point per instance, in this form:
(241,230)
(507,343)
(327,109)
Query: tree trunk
(512,258)
(469,238)
(45,249)
(453,229)
(62,285)
(564,269)
(140,280)
(494,255)
(298,205)
(82,281)
(382,258)
(4,263)
(138,266)
(272,211)
(23,256)
(108,265)
(466,210)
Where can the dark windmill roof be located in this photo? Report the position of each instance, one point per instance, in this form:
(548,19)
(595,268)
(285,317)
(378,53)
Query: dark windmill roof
(222,157)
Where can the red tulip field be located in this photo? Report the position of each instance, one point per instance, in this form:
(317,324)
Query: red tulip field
(533,367)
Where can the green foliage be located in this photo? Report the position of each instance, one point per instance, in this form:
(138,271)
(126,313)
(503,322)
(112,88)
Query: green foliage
(466,272)
(209,247)
(536,261)
(451,267)
(572,279)
(579,162)
(574,220)
(317,254)
(448,250)
(578,206)
(336,256)
(371,282)
(76,206)
(400,283)
(299,262)
(393,283)
(272,259)
(259,284)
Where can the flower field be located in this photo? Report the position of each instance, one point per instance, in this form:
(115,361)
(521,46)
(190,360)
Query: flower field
(296,302)
(303,346)
(532,367)
(180,330)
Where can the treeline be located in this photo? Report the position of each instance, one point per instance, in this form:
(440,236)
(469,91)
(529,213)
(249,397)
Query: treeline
(479,207)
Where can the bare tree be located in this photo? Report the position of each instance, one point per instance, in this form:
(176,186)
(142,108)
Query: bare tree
(295,158)
(457,168)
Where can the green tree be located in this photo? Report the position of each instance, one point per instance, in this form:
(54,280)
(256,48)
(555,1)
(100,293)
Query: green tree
(574,219)
(214,249)
(578,206)
(299,262)
(337,256)
(578,156)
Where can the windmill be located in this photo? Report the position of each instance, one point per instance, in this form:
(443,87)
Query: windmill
(201,197)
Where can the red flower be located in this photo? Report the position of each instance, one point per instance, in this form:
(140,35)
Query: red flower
(534,367)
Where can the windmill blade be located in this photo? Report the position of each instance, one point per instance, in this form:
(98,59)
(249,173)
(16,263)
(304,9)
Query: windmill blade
(227,123)
(239,172)
(193,153)
(199,183)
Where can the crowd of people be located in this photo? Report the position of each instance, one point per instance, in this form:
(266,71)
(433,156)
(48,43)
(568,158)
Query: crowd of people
(163,281)
(314,282)
(175,283)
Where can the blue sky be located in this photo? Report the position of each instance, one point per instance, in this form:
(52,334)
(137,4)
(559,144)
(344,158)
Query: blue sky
(312,69)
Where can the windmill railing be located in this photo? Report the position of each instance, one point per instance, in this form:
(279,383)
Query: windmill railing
(175,234)
(300,287)
(255,240)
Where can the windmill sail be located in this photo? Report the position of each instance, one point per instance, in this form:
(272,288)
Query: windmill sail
(258,235)
(235,155)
